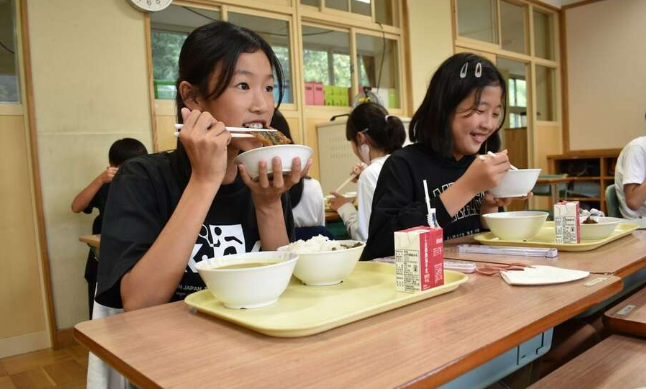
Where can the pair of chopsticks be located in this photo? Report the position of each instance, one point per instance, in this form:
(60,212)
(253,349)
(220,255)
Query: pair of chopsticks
(237,132)
(347,180)
(491,154)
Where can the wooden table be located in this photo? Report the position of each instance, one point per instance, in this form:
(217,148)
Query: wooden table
(622,257)
(421,345)
(617,362)
(332,216)
(629,316)
(91,240)
(553,183)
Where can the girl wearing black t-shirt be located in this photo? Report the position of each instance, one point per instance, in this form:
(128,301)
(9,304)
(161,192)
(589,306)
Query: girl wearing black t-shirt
(168,211)
(460,117)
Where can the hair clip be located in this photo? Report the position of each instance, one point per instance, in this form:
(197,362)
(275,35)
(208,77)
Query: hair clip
(463,71)
(364,130)
(478,70)
(386,118)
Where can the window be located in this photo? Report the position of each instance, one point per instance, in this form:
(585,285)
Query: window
(341,5)
(170,28)
(327,67)
(378,63)
(545,93)
(477,20)
(512,27)
(385,12)
(9,82)
(361,7)
(515,74)
(543,35)
(276,33)
(314,3)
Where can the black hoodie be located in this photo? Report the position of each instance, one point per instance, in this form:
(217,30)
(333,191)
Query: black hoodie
(399,200)
(143,197)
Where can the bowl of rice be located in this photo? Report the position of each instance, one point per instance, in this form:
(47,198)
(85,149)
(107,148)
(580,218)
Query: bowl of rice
(323,261)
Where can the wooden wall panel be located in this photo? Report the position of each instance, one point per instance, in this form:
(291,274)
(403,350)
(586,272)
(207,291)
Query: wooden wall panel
(21,303)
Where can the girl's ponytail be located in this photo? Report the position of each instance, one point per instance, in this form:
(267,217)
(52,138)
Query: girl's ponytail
(395,134)
(384,131)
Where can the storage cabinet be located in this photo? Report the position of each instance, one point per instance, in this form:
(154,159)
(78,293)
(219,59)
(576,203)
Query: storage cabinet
(590,173)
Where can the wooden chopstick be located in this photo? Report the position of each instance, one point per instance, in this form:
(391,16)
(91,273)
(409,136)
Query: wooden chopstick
(352,177)
(236,129)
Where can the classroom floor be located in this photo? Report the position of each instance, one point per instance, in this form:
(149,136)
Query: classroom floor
(61,369)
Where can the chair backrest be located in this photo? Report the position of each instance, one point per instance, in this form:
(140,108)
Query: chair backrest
(612,202)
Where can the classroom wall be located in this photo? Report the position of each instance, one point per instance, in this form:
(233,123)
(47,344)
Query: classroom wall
(431,41)
(90,89)
(606,76)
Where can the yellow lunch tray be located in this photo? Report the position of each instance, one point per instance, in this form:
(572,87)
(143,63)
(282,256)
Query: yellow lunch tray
(545,238)
(306,310)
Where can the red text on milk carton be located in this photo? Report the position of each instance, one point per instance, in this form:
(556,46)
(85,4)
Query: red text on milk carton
(419,259)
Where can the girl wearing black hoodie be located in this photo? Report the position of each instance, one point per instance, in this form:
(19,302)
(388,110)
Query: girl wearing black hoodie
(458,120)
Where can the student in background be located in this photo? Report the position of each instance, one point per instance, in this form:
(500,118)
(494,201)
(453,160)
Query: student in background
(95,195)
(306,197)
(460,117)
(374,135)
(630,180)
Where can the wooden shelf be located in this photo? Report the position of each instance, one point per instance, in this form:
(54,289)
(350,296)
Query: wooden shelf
(598,162)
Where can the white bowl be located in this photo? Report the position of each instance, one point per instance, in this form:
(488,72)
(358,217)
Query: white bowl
(515,225)
(251,287)
(516,183)
(327,267)
(250,159)
(601,230)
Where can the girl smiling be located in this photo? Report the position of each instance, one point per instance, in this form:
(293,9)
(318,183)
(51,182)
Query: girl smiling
(460,117)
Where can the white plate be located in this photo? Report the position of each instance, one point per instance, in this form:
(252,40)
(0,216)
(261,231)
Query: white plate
(542,275)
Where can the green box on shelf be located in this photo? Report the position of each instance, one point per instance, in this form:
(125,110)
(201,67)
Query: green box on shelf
(164,90)
(344,99)
(393,98)
(328,94)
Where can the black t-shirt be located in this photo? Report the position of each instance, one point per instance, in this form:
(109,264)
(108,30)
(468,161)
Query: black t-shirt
(98,202)
(399,200)
(144,194)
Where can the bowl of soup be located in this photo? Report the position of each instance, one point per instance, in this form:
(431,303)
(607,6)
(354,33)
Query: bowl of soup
(249,280)
(520,225)
(516,183)
(251,159)
(598,228)
(324,262)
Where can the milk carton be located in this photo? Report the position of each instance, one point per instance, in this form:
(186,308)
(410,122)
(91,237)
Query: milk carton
(567,227)
(419,259)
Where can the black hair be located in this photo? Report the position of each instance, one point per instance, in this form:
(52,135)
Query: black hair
(124,149)
(279,122)
(383,131)
(219,45)
(431,124)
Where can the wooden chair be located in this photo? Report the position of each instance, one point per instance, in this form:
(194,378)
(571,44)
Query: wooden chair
(629,316)
(617,362)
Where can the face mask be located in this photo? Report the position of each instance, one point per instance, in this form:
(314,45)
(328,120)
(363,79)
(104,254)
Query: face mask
(364,153)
